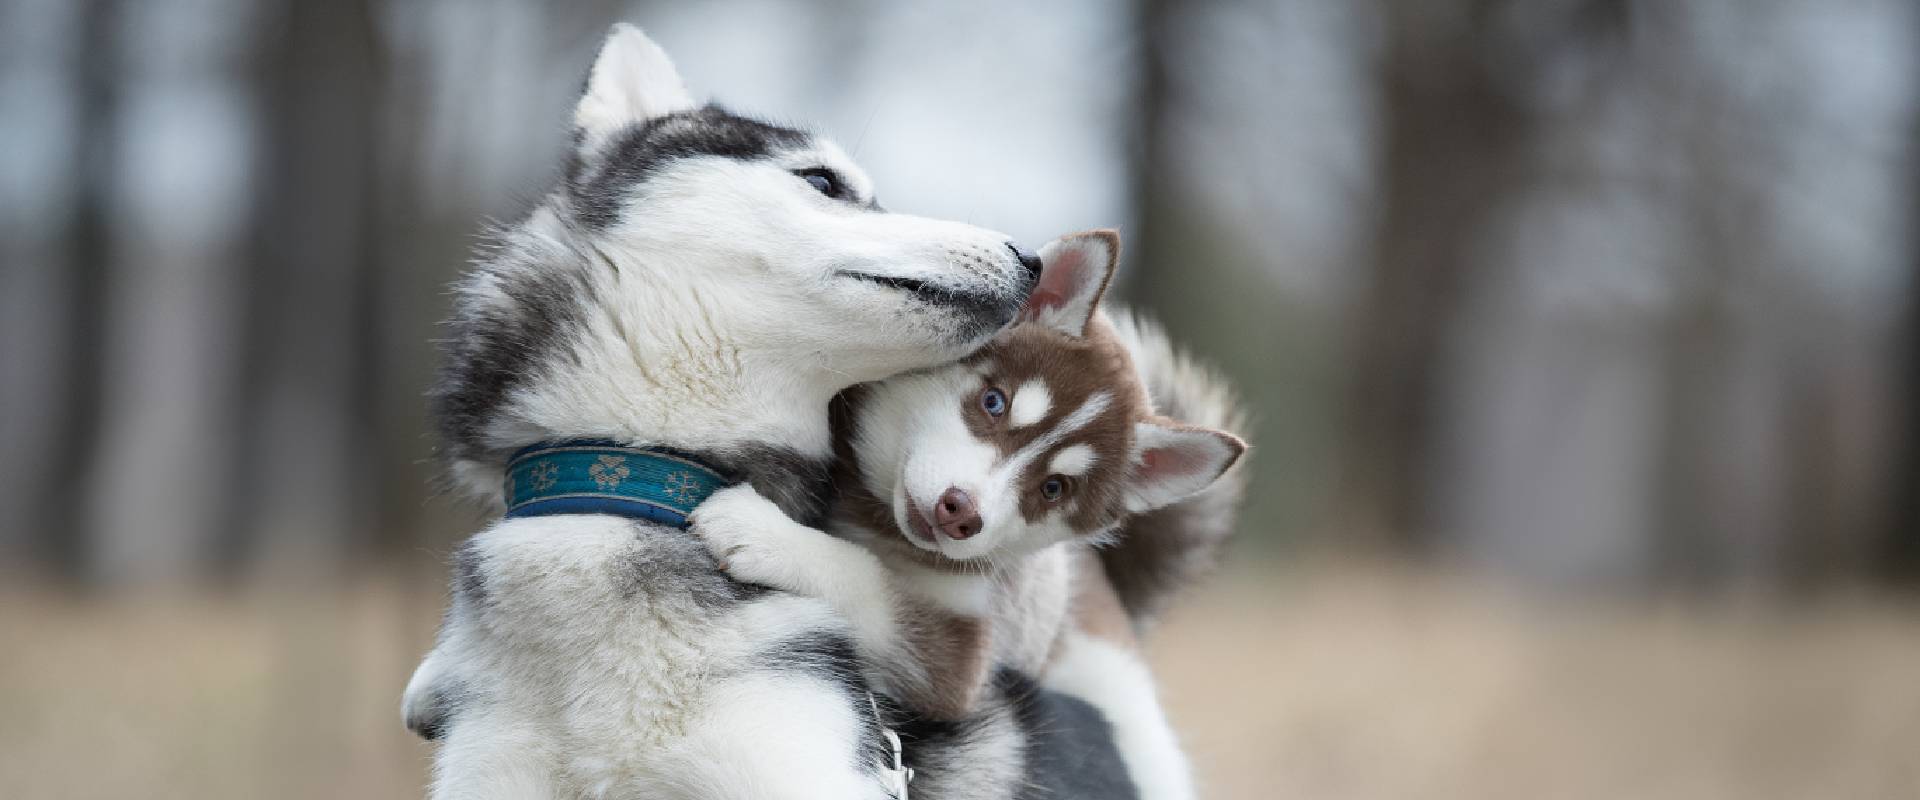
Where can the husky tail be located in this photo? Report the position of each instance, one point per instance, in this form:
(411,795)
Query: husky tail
(1161,552)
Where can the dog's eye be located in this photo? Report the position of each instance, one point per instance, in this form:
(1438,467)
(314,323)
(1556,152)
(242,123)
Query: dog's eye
(993,401)
(1053,488)
(824,181)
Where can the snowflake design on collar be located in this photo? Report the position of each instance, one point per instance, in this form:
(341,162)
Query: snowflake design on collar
(544,475)
(609,471)
(682,486)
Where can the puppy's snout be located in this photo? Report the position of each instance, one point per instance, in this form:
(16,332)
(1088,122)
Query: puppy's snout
(955,514)
(1028,260)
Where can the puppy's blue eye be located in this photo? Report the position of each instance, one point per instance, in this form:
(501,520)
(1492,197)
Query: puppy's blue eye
(993,401)
(1053,488)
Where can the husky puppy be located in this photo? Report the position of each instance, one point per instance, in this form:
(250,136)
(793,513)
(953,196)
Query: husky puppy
(1121,587)
(972,495)
(697,287)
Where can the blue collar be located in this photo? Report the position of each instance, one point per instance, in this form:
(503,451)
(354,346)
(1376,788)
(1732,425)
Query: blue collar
(593,476)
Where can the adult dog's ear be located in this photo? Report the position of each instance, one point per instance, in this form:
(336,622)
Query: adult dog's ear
(632,81)
(1074,272)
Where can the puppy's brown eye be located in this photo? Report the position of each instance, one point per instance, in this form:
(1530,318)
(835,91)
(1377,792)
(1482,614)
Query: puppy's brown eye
(993,401)
(1053,488)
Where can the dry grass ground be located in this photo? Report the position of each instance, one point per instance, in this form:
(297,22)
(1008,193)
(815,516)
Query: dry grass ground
(1335,682)
(1358,684)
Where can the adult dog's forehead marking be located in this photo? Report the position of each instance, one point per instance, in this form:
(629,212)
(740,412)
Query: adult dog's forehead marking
(598,194)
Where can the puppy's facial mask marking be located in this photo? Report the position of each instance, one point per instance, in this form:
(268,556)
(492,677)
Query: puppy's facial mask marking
(1049,415)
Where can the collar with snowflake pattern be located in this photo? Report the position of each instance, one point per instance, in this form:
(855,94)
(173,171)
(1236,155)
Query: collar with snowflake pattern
(591,476)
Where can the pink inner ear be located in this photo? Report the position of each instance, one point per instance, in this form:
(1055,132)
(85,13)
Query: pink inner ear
(1040,302)
(1057,282)
(1163,461)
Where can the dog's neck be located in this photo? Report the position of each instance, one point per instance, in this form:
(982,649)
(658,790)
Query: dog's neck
(665,371)
(756,425)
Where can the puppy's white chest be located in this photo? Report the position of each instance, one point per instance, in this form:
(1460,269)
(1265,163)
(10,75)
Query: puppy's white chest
(965,594)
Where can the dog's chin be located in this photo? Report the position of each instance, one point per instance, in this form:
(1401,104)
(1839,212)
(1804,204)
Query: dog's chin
(965,316)
(973,328)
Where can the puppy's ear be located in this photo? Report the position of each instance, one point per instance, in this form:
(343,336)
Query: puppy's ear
(1172,462)
(632,81)
(1074,272)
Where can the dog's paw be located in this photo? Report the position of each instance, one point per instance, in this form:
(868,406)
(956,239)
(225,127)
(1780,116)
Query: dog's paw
(750,537)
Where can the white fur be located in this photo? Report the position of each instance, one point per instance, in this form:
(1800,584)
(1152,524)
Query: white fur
(1089,410)
(1022,590)
(1076,272)
(1072,461)
(757,542)
(592,691)
(717,349)
(720,310)
(965,593)
(728,309)
(1031,605)
(1115,681)
(1003,529)
(632,80)
(912,420)
(1026,603)
(1172,463)
(917,428)
(1031,402)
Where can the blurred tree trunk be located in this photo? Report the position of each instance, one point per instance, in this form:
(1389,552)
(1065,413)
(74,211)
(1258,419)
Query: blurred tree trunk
(1902,535)
(1780,390)
(64,519)
(404,301)
(1902,549)
(1448,150)
(1150,155)
(304,450)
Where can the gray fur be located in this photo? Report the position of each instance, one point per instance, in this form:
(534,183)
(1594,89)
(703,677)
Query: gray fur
(832,654)
(1064,748)
(600,184)
(796,482)
(493,347)
(1161,552)
(1071,751)
(444,701)
(595,655)
(469,577)
(676,564)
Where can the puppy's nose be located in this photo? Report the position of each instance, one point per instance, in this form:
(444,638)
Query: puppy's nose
(955,514)
(1027,259)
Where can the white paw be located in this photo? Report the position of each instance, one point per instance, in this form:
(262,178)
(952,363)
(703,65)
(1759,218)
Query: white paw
(751,538)
(422,707)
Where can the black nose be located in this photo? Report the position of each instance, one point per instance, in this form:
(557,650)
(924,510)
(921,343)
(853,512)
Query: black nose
(1027,259)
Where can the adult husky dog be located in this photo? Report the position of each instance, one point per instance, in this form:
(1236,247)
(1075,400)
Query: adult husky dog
(694,291)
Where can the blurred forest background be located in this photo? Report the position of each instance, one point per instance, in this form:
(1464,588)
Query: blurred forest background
(1580,335)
